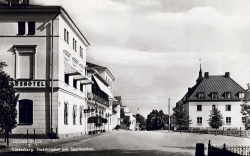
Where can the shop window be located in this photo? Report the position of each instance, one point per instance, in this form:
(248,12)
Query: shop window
(26,112)
(66,109)
(21,28)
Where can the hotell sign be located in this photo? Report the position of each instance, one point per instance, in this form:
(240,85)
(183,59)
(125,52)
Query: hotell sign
(26,84)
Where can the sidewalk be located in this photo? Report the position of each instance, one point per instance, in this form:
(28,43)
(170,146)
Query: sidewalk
(45,143)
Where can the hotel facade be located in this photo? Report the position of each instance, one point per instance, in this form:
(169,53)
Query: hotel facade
(46,56)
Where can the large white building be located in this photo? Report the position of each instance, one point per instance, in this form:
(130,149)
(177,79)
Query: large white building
(46,55)
(219,91)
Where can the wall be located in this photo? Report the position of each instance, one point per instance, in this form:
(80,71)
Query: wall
(235,114)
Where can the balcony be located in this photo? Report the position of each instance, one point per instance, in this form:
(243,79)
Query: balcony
(98,99)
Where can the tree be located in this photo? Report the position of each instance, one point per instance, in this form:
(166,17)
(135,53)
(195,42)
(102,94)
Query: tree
(245,108)
(180,116)
(126,121)
(8,102)
(216,119)
(122,113)
(156,120)
(141,121)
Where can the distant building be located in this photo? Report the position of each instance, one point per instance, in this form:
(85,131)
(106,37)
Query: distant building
(116,108)
(100,97)
(215,91)
(131,117)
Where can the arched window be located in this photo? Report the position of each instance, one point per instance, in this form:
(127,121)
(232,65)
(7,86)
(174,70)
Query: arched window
(66,106)
(26,112)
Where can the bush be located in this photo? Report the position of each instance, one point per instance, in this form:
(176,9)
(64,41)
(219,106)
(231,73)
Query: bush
(117,127)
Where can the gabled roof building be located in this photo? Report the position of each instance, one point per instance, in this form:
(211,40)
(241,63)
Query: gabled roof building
(211,91)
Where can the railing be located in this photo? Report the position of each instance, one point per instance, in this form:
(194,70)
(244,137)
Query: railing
(98,99)
(234,132)
(226,150)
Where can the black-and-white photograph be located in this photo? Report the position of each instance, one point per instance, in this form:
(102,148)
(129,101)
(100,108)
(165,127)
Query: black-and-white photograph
(125,77)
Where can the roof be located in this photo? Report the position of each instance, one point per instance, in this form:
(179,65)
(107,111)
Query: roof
(91,65)
(215,84)
(119,100)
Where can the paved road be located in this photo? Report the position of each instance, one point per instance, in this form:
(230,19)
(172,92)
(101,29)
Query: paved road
(137,143)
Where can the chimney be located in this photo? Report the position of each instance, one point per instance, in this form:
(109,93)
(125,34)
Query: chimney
(206,75)
(227,74)
(189,89)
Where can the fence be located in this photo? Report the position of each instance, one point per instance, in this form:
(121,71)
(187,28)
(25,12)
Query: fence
(226,150)
(235,133)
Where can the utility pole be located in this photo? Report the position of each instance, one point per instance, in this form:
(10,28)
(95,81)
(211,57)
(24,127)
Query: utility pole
(169,115)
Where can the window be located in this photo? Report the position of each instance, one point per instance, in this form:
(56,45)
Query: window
(74,114)
(81,51)
(66,106)
(66,78)
(199,120)
(26,112)
(21,28)
(75,83)
(199,107)
(31,28)
(214,95)
(241,95)
(81,111)
(214,106)
(228,107)
(25,61)
(81,87)
(228,120)
(66,35)
(228,95)
(74,44)
(201,95)
(244,120)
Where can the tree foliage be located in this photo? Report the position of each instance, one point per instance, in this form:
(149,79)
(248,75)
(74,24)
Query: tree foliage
(215,118)
(245,108)
(180,116)
(141,121)
(8,101)
(122,113)
(126,121)
(156,120)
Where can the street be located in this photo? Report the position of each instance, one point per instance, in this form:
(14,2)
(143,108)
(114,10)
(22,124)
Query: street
(134,143)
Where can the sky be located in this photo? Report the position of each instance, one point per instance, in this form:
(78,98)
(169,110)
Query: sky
(153,47)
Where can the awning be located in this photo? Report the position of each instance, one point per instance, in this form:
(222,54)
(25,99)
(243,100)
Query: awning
(103,87)
(80,77)
(68,69)
(86,82)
